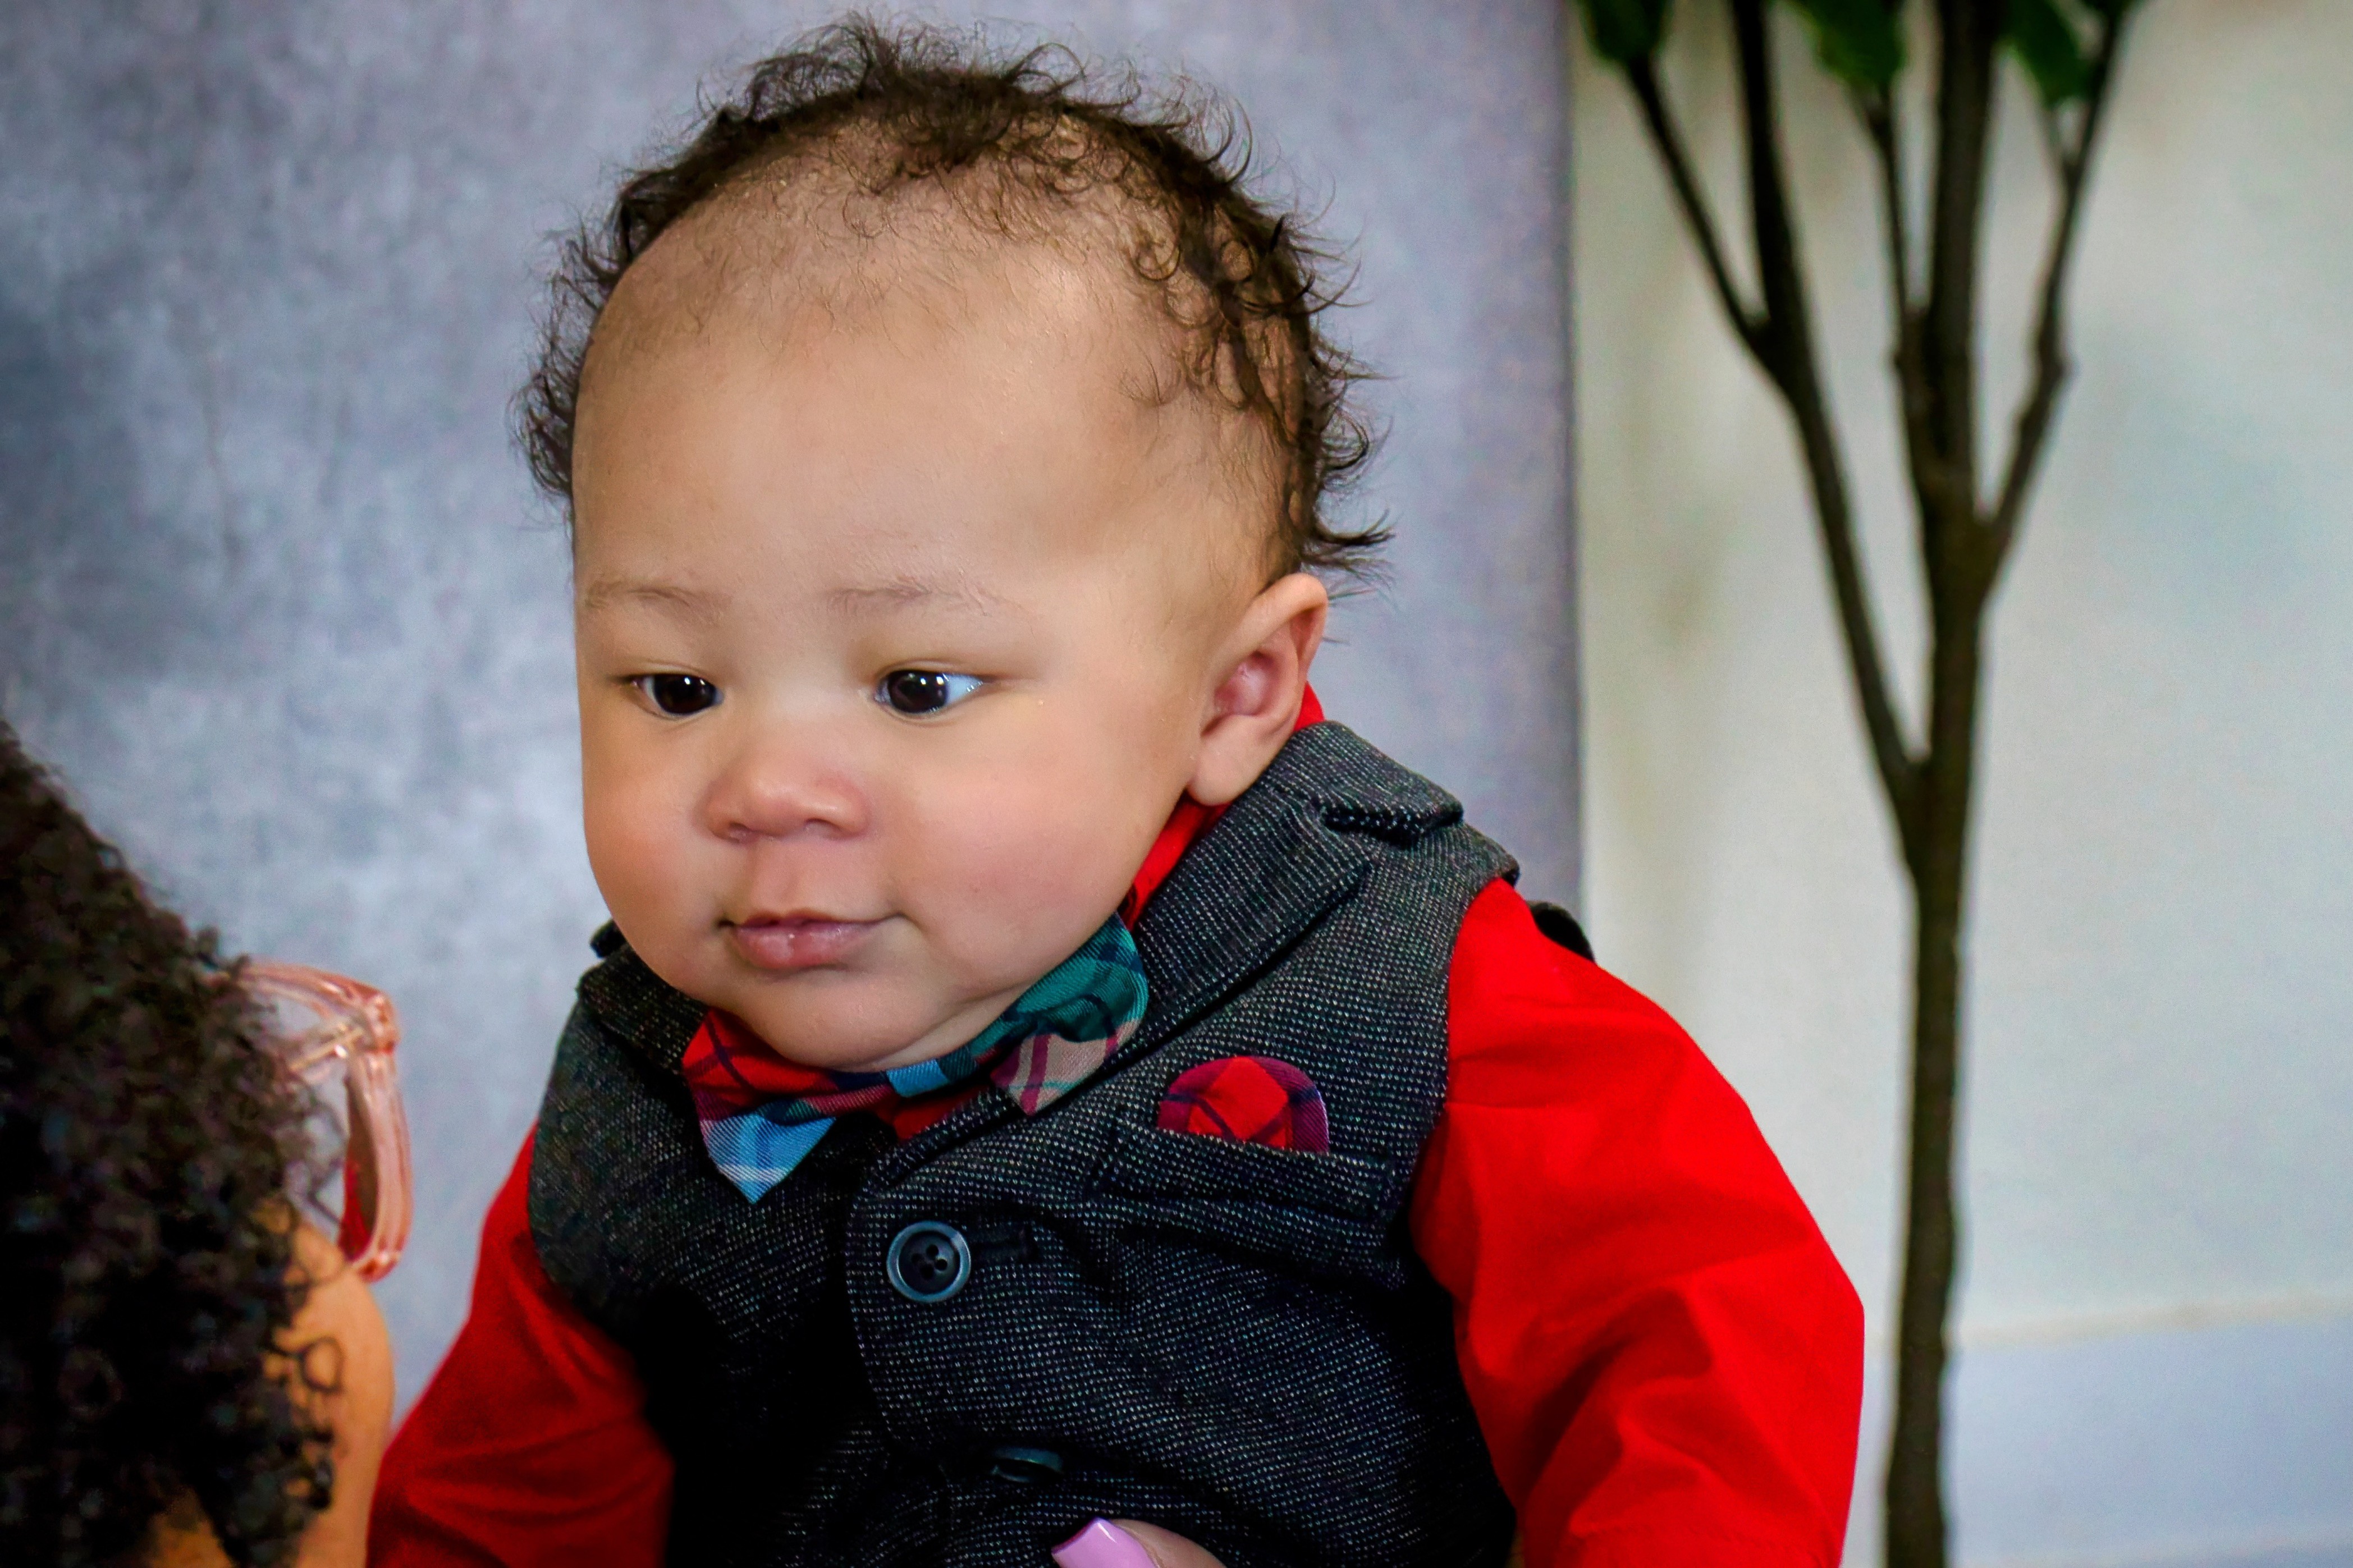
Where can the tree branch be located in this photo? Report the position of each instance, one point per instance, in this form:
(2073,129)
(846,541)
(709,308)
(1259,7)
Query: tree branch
(1788,355)
(2054,139)
(1642,76)
(2050,363)
(1880,113)
(1969,32)
(1913,398)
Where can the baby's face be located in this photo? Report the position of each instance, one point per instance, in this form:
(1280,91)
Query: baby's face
(900,632)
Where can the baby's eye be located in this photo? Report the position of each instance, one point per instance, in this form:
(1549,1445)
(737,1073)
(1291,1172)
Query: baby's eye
(924,690)
(678,695)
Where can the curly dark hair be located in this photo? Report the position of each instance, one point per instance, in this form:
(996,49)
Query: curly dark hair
(146,1278)
(910,105)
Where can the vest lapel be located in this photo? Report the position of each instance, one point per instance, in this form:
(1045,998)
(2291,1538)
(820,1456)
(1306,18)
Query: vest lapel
(638,1005)
(1283,855)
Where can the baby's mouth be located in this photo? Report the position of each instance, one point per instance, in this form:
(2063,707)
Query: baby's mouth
(795,941)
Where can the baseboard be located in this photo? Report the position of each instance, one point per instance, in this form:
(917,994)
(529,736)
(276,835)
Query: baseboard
(2332,1553)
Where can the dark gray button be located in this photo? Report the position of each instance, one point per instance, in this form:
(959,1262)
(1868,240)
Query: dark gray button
(928,1261)
(1030,1467)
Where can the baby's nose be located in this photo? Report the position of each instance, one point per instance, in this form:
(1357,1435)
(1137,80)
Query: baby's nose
(782,791)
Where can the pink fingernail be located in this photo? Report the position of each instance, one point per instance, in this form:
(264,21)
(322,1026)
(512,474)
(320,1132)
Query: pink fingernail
(1102,1544)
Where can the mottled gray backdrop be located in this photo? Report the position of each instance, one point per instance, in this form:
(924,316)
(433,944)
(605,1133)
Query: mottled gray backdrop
(275,596)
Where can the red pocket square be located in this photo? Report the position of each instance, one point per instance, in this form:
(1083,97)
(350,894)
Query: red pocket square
(1251,1099)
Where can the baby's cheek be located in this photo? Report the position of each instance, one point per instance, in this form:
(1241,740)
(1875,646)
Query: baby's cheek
(633,848)
(1035,860)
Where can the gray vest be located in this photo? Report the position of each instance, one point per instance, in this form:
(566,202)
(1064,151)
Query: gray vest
(1089,1316)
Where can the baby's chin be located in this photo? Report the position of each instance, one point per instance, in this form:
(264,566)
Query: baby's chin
(889,1001)
(841,1023)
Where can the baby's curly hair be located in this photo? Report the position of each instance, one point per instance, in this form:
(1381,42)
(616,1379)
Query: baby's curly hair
(146,1256)
(899,108)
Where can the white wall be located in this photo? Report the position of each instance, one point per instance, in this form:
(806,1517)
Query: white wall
(2160,1064)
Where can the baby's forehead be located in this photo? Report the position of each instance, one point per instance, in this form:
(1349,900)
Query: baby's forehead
(793,261)
(1035,374)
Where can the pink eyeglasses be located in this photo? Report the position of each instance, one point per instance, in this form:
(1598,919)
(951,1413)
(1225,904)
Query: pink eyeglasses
(336,1036)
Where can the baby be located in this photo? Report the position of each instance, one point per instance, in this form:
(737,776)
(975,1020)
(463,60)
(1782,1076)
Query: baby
(1039,1072)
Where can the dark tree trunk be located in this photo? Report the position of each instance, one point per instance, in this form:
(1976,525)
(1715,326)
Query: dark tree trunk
(1916,1532)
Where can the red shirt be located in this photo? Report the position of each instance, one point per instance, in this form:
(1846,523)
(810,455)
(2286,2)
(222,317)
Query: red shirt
(1665,1357)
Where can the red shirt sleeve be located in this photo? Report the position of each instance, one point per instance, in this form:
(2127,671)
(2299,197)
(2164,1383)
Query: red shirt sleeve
(529,1446)
(1665,1359)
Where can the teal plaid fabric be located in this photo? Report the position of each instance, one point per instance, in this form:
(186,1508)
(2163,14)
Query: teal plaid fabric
(761,1115)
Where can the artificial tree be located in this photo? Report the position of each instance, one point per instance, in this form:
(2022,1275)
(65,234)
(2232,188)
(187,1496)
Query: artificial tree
(1967,511)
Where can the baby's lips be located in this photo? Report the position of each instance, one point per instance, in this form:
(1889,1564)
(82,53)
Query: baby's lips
(1102,1544)
(797,941)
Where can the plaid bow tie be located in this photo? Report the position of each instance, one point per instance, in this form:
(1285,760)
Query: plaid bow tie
(761,1115)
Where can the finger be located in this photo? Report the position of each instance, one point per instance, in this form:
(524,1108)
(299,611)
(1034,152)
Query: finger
(1102,1544)
(1167,1549)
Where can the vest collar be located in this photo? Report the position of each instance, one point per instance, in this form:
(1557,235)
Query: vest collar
(638,1005)
(1296,843)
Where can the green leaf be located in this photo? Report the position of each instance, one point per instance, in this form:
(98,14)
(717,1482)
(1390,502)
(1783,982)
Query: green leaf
(2046,44)
(1859,41)
(1624,31)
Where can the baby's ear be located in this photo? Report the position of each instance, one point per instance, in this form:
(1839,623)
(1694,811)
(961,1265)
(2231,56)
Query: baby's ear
(1257,703)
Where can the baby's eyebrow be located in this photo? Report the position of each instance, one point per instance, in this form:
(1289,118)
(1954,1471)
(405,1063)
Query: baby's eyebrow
(915,590)
(697,603)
